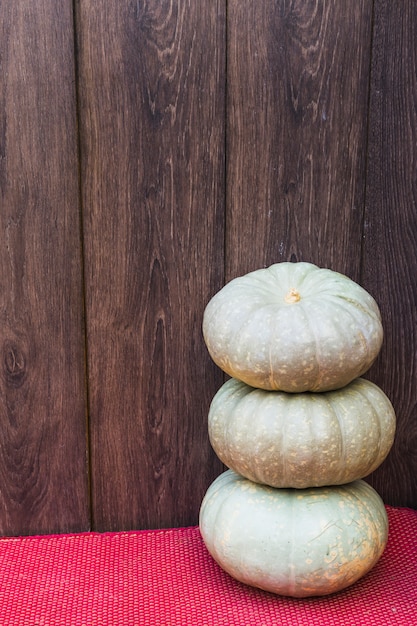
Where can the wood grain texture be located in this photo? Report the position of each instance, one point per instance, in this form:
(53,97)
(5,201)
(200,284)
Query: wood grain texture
(298,77)
(43,456)
(215,138)
(152,121)
(390,235)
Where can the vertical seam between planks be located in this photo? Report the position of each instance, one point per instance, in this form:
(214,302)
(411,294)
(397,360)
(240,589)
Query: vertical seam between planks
(83,271)
(226,142)
(367,141)
(226,150)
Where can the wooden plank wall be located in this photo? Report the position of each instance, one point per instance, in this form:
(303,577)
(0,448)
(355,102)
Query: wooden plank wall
(152,115)
(297,133)
(149,152)
(43,449)
(389,265)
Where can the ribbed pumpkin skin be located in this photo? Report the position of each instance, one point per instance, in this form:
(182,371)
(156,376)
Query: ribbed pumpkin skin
(302,440)
(296,543)
(256,331)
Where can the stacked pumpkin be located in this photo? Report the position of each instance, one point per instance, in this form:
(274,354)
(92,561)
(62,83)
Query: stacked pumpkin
(299,429)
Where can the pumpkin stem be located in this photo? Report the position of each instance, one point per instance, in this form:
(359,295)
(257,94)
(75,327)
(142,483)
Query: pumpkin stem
(292,296)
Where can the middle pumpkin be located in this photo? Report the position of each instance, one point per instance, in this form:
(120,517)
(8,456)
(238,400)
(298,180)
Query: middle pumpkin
(304,439)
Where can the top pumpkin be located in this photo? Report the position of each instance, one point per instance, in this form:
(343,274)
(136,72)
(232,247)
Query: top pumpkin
(293,327)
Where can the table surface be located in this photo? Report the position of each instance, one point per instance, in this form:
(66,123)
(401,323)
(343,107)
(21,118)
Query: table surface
(167,578)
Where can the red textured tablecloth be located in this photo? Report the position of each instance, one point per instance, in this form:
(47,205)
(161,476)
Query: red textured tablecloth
(167,578)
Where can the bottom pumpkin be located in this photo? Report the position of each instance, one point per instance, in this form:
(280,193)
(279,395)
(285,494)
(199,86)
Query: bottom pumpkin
(293,542)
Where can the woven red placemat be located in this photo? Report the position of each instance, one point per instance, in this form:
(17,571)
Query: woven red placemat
(167,578)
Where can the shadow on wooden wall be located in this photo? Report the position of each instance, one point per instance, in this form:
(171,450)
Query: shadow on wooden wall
(149,152)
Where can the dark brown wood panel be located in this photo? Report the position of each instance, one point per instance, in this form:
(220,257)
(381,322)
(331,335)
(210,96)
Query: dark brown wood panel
(152,100)
(308,154)
(298,75)
(43,456)
(390,234)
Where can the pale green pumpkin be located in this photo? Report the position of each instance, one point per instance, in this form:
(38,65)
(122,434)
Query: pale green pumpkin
(293,327)
(299,543)
(304,439)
